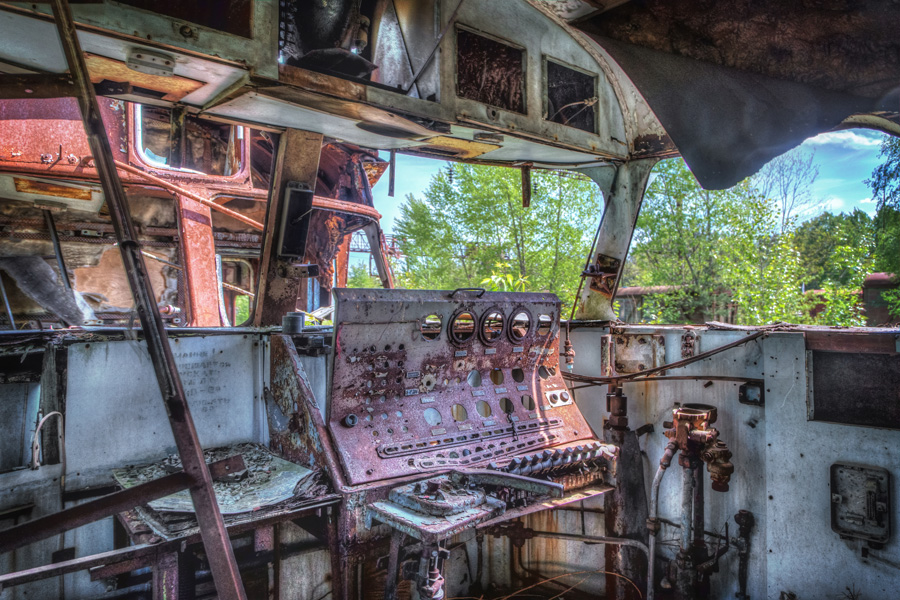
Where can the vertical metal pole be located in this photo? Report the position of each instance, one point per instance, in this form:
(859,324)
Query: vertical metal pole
(526,186)
(393,569)
(699,510)
(687,497)
(279,285)
(9,313)
(57,249)
(212,528)
(393,170)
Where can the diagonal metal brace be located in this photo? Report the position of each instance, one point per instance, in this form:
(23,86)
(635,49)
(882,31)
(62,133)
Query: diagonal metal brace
(216,542)
(106,506)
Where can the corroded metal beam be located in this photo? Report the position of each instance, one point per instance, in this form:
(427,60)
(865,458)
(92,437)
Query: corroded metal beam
(297,160)
(106,506)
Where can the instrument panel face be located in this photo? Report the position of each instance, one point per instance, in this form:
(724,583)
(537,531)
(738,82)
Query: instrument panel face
(428,380)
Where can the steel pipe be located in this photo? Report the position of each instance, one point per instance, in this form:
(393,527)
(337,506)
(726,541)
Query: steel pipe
(687,500)
(698,508)
(9,312)
(594,539)
(195,197)
(57,250)
(653,521)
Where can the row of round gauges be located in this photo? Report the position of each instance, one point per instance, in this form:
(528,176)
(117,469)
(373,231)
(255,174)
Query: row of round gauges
(464,326)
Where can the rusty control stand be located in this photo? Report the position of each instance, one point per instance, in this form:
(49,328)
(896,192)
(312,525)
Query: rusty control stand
(698,442)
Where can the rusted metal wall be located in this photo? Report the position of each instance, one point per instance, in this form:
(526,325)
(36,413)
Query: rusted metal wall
(781,460)
(782,463)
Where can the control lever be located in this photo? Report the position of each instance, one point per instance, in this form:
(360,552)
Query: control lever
(500,478)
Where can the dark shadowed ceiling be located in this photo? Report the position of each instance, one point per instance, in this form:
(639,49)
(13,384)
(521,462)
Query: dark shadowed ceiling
(737,82)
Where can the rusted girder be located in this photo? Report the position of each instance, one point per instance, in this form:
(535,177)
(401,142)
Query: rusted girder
(297,160)
(36,85)
(106,506)
(212,527)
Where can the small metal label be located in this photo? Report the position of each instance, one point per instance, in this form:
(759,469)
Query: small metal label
(460,353)
(513,418)
(478,392)
(518,349)
(439,431)
(532,415)
(500,390)
(413,374)
(465,427)
(488,423)
(522,388)
(427,400)
(546,407)
(490,351)
(412,392)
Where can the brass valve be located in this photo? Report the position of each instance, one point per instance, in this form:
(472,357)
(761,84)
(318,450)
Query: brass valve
(691,430)
(717,457)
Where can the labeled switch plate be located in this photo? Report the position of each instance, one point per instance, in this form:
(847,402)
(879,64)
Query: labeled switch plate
(861,502)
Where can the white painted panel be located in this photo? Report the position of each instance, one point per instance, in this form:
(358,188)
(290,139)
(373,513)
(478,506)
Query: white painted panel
(115,413)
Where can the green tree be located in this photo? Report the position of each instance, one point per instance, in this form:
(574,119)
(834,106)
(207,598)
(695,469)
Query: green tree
(835,249)
(358,277)
(885,186)
(887,240)
(788,180)
(760,265)
(470,219)
(723,251)
(674,244)
(885,180)
(738,253)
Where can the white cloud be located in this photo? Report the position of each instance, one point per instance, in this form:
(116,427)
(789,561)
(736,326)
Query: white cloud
(848,139)
(834,203)
(867,201)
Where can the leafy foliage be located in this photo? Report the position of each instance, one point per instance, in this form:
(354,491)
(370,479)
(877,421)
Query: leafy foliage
(885,181)
(887,240)
(788,180)
(739,255)
(502,280)
(358,277)
(834,248)
(722,250)
(892,298)
(470,229)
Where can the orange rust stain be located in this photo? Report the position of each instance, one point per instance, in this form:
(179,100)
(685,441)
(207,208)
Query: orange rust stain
(29,186)
(175,87)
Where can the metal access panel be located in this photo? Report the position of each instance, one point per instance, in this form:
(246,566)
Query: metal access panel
(430,380)
(861,502)
(854,388)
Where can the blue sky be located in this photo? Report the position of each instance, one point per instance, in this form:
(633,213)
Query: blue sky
(845,160)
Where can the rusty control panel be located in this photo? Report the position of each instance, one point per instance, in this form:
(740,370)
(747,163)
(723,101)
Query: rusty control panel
(459,395)
(436,380)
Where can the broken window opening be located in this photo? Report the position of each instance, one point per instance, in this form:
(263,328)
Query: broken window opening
(571,96)
(197,146)
(431,327)
(490,71)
